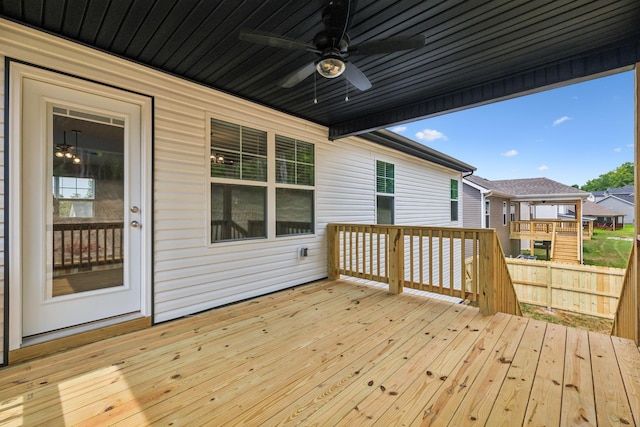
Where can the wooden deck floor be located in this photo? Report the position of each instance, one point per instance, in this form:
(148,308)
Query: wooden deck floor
(334,353)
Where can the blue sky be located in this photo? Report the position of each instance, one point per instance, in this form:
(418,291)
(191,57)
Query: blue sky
(571,134)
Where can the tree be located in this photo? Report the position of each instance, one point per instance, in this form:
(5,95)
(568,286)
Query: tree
(619,177)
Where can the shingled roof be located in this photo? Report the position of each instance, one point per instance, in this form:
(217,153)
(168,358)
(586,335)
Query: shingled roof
(530,188)
(597,210)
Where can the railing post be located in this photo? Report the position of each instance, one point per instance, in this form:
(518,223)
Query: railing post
(487,273)
(333,252)
(395,263)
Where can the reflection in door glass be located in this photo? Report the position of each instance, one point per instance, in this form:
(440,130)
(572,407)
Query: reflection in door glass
(87,203)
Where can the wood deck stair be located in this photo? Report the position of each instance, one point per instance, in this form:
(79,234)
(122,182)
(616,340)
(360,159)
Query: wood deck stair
(564,248)
(334,353)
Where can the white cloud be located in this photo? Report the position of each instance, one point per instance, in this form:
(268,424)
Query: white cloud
(543,168)
(399,129)
(630,145)
(430,135)
(561,120)
(617,150)
(510,153)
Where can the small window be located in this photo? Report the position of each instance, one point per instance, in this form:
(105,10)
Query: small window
(295,167)
(74,196)
(295,161)
(504,213)
(294,211)
(487,210)
(384,210)
(454,199)
(237,212)
(385,187)
(238,152)
(512,210)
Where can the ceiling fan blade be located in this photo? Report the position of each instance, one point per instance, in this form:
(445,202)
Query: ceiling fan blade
(298,75)
(356,77)
(393,44)
(268,39)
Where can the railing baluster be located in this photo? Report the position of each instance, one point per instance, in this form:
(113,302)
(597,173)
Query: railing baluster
(451,264)
(421,258)
(430,260)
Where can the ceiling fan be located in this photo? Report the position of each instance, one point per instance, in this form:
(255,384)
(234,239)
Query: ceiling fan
(331,45)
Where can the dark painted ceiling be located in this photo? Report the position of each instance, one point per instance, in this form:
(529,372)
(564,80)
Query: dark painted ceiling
(476,50)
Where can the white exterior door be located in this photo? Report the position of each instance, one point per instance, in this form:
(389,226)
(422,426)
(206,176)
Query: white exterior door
(81,205)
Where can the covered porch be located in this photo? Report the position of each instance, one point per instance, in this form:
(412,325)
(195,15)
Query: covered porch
(334,352)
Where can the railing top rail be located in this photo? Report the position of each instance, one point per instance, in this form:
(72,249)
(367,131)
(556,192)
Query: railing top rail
(415,227)
(545,221)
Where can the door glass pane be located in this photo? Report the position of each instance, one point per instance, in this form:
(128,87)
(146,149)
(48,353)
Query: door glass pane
(87,203)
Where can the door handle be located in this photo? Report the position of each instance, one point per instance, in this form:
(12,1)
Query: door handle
(135,224)
(134,209)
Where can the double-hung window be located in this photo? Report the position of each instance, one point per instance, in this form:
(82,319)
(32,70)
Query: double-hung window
(454,199)
(249,200)
(385,188)
(238,182)
(295,175)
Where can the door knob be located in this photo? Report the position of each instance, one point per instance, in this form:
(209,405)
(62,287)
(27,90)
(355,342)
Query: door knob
(135,209)
(135,224)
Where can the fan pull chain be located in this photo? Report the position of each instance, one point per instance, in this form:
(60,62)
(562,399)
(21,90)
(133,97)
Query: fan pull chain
(346,98)
(315,95)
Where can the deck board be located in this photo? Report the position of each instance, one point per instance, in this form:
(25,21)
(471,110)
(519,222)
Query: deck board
(333,353)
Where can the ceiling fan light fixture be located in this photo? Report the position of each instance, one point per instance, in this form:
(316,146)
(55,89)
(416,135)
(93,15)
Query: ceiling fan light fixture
(331,66)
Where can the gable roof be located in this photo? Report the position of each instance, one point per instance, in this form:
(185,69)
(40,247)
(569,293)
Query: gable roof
(594,209)
(530,189)
(627,189)
(630,200)
(475,52)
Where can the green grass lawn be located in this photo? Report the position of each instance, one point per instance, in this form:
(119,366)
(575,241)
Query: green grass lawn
(606,248)
(609,248)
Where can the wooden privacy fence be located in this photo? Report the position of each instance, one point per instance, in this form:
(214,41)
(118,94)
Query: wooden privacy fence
(431,259)
(626,321)
(581,289)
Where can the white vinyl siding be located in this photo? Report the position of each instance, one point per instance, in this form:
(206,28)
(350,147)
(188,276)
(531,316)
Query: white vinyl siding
(190,274)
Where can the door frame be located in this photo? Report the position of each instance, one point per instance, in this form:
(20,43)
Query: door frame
(17,71)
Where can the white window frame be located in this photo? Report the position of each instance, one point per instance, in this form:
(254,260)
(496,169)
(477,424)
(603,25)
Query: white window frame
(389,195)
(487,214)
(504,213)
(271,185)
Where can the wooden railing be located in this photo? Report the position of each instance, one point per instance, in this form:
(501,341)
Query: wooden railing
(625,322)
(84,245)
(431,259)
(539,229)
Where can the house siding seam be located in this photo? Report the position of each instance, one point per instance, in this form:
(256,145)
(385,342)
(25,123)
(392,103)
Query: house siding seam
(191,275)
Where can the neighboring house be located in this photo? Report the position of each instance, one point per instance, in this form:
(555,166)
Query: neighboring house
(212,199)
(622,203)
(487,206)
(601,216)
(515,207)
(595,196)
(627,190)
